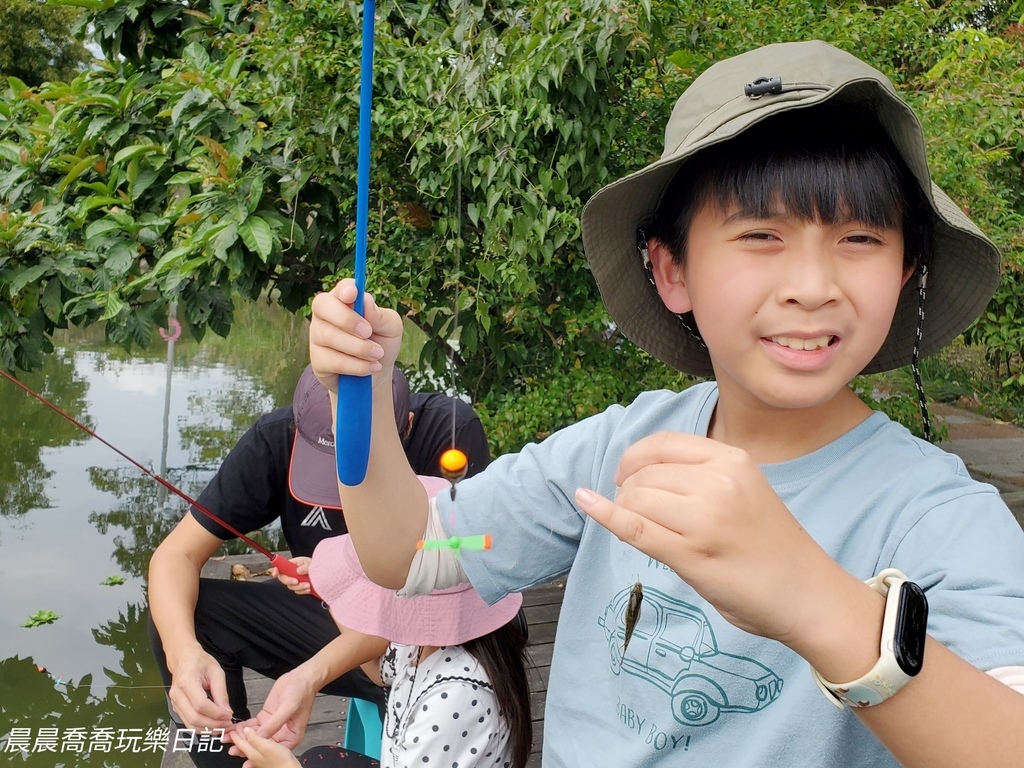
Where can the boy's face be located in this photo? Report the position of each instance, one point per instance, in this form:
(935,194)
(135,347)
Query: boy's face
(790,310)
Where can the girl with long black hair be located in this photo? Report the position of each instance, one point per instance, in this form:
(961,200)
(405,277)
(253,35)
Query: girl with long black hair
(456,669)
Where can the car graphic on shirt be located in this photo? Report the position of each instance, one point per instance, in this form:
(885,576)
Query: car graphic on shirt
(673,647)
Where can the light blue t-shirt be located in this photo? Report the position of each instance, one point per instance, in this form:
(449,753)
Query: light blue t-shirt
(692,689)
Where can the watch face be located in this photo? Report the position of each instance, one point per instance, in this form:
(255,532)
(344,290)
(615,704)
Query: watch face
(911,628)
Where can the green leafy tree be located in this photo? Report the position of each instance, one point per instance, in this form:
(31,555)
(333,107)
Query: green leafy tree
(218,158)
(492,125)
(38,41)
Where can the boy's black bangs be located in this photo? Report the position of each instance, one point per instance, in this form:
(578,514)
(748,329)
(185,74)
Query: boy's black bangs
(827,165)
(823,184)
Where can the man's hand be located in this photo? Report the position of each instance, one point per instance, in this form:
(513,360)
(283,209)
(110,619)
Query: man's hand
(198,690)
(296,586)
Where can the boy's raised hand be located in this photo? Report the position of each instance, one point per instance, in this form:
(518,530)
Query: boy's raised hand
(705,509)
(343,342)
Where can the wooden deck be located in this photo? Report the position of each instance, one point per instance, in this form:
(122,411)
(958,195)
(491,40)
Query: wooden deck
(327,723)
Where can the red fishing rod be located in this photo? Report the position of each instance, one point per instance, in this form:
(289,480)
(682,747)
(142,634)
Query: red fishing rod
(283,564)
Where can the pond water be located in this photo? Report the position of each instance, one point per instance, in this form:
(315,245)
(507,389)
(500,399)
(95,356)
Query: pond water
(73,514)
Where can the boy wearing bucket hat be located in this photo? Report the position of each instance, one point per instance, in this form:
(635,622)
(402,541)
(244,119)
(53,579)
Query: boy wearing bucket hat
(207,631)
(800,580)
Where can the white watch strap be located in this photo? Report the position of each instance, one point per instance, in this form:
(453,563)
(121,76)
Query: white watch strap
(886,678)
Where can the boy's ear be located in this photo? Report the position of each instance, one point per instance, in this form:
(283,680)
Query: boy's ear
(908,272)
(668,278)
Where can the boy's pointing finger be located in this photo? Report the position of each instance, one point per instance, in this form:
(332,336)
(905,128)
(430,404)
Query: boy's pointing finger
(629,527)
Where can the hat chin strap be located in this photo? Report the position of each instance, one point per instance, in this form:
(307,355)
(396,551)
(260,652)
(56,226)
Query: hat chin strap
(915,357)
(691,328)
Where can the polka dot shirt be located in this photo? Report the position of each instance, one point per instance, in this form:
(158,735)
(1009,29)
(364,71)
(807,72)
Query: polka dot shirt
(441,713)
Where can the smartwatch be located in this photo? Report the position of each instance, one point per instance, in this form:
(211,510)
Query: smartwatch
(901,651)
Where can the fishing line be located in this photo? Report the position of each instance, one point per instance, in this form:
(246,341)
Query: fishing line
(454,463)
(458,263)
(280,562)
(58,681)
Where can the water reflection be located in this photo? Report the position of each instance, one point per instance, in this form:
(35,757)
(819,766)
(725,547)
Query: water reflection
(28,428)
(72,513)
(38,712)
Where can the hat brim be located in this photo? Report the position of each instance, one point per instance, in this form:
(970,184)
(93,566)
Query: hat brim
(963,272)
(313,476)
(447,617)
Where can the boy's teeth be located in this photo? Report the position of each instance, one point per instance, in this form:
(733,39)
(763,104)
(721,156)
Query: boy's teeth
(793,343)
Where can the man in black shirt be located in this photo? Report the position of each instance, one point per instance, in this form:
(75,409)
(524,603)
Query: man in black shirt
(205,632)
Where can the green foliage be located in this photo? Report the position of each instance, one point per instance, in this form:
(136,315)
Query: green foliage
(544,405)
(39,618)
(975,98)
(893,393)
(492,125)
(130,188)
(38,42)
(1000,330)
(112,581)
(959,375)
(218,158)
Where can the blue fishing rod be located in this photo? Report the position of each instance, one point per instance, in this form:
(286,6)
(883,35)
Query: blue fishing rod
(355,393)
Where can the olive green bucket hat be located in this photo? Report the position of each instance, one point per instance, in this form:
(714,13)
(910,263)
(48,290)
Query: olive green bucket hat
(724,101)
